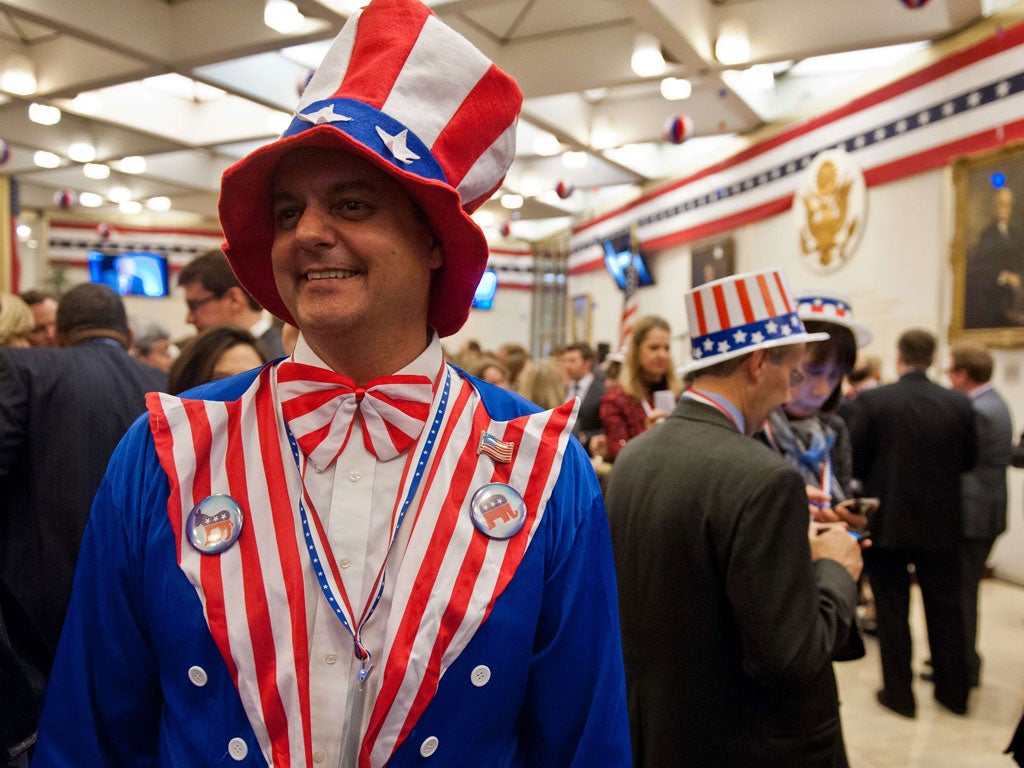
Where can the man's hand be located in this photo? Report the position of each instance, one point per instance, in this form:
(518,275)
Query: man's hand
(820,506)
(834,542)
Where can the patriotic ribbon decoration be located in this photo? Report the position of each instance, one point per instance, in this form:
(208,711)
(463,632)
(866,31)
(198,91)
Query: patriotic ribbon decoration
(320,407)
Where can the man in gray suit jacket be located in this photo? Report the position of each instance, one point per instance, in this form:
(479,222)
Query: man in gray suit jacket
(731,607)
(984,487)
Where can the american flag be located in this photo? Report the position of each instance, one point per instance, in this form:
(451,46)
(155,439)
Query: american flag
(630,305)
(499,450)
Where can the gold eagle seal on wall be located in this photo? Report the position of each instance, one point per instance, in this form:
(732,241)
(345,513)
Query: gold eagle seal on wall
(829,207)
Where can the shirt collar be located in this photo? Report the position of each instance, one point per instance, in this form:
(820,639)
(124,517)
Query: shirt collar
(261,327)
(428,363)
(980,390)
(722,403)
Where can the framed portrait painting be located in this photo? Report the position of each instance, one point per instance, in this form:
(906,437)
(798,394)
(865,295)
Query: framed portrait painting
(988,248)
(713,260)
(581,309)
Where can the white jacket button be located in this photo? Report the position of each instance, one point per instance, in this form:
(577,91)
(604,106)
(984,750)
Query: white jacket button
(238,749)
(429,746)
(198,676)
(480,676)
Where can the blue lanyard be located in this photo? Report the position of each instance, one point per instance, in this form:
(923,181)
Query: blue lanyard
(360,650)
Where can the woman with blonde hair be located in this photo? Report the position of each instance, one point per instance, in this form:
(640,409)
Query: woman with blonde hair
(16,321)
(541,382)
(630,408)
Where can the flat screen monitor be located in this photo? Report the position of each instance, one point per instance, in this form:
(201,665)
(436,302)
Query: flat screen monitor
(484,296)
(618,254)
(131,273)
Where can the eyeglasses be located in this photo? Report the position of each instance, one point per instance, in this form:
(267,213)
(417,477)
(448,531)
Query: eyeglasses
(194,304)
(796,377)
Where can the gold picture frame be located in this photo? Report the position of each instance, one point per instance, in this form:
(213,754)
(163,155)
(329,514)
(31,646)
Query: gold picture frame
(581,317)
(988,248)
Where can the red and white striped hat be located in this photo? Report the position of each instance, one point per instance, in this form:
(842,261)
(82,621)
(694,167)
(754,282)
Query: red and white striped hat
(739,314)
(403,90)
(832,307)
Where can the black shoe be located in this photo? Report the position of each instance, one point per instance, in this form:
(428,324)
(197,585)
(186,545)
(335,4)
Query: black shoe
(883,699)
(956,709)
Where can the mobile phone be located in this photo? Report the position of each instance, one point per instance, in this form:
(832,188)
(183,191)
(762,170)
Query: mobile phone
(860,535)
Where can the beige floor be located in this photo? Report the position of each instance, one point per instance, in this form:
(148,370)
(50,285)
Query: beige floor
(876,737)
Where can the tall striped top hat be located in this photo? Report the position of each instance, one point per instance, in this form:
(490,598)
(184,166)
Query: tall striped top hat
(403,90)
(739,314)
(832,307)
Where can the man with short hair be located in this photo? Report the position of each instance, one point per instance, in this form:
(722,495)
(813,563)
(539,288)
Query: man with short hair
(356,556)
(588,386)
(731,605)
(984,487)
(62,412)
(912,439)
(215,297)
(44,310)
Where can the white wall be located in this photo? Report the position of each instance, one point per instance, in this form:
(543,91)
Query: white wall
(507,321)
(900,277)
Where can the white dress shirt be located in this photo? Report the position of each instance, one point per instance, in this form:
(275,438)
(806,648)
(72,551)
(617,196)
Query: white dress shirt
(354,498)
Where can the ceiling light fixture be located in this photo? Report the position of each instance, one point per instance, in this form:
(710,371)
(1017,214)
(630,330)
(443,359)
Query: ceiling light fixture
(546,145)
(87,104)
(647,60)
(132,164)
(603,135)
(733,43)
(97,171)
(511,201)
(19,75)
(43,114)
(676,88)
(160,204)
(759,76)
(24,231)
(282,16)
(45,159)
(82,152)
(119,194)
(90,199)
(130,206)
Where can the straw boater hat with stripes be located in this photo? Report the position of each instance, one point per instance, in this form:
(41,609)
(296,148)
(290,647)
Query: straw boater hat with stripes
(403,90)
(832,307)
(739,314)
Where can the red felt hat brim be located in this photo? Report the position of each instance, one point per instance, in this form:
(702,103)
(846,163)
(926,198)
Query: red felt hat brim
(246,217)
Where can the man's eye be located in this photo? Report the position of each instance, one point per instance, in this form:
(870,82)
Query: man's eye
(285,215)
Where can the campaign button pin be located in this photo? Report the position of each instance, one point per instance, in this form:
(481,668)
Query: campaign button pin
(498,511)
(214,524)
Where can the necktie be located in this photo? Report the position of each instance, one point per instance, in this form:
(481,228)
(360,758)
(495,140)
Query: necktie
(321,406)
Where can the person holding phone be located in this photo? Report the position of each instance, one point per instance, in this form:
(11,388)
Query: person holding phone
(806,430)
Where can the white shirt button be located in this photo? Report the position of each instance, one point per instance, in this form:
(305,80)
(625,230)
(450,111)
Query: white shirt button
(330,658)
(344,562)
(198,676)
(354,476)
(429,746)
(480,676)
(238,749)
(319,756)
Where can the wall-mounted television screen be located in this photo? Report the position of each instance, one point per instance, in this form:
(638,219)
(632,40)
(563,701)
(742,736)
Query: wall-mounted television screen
(618,254)
(484,296)
(130,274)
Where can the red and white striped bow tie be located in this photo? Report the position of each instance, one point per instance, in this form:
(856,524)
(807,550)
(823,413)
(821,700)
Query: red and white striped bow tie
(320,406)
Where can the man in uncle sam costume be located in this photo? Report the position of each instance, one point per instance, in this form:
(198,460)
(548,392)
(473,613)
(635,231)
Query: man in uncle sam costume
(730,609)
(358,556)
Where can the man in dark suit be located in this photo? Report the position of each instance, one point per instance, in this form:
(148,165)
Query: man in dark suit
(588,385)
(984,487)
(731,606)
(215,297)
(911,441)
(62,412)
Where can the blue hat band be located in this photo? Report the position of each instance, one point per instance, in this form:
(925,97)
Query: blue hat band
(752,336)
(361,122)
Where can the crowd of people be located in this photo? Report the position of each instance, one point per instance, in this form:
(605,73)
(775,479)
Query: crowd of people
(372,551)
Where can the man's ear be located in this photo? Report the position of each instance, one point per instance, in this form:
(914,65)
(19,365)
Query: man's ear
(436,257)
(756,365)
(236,296)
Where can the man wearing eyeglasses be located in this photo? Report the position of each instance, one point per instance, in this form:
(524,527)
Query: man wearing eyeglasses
(731,606)
(214,297)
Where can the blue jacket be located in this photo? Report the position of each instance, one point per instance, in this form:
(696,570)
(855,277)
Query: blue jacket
(124,689)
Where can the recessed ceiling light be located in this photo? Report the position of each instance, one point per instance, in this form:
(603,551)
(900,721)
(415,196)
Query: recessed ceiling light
(282,16)
(733,44)
(97,171)
(82,152)
(24,231)
(87,104)
(130,206)
(647,60)
(45,159)
(19,75)
(546,145)
(574,159)
(603,135)
(119,194)
(90,199)
(132,164)
(511,201)
(675,88)
(160,204)
(44,114)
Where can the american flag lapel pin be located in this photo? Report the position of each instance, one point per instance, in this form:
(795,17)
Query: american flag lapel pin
(499,450)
